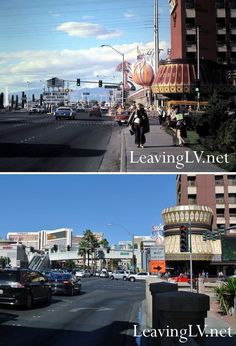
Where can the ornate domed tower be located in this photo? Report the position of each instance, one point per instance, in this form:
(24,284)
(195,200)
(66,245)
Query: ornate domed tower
(199,219)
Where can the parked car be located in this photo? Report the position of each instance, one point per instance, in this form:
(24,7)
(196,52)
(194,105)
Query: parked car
(64,112)
(104,274)
(64,283)
(23,287)
(182,278)
(79,274)
(139,276)
(122,118)
(119,274)
(95,111)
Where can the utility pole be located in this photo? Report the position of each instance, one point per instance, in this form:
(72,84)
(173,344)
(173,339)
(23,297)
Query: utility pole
(156,37)
(198,67)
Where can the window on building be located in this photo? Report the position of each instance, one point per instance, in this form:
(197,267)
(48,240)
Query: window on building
(232,212)
(219,180)
(189,4)
(220,226)
(220,212)
(232,4)
(191,181)
(220,198)
(192,199)
(231,179)
(220,4)
(232,198)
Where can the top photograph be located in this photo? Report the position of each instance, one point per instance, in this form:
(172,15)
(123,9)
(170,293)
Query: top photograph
(124,86)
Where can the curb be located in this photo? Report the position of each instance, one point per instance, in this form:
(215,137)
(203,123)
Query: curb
(123,165)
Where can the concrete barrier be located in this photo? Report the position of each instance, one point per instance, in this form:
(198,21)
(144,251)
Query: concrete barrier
(178,311)
(156,289)
(148,309)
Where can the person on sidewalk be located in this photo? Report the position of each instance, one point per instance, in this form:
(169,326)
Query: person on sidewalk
(140,124)
(180,140)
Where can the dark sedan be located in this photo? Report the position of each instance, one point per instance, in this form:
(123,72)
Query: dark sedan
(64,112)
(23,287)
(64,283)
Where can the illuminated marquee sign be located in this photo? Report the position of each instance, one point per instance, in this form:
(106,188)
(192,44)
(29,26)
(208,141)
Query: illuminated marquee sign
(173,4)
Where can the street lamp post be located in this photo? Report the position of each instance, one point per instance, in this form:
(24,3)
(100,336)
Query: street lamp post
(27,95)
(132,235)
(123,75)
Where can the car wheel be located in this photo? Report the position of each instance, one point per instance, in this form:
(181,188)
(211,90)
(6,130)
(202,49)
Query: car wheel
(112,277)
(132,279)
(29,302)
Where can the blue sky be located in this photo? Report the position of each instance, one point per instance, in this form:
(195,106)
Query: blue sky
(45,38)
(34,202)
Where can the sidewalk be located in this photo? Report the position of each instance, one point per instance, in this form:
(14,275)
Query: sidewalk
(213,322)
(161,155)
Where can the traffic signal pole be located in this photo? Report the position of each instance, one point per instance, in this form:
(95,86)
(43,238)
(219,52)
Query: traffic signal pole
(190,258)
(198,67)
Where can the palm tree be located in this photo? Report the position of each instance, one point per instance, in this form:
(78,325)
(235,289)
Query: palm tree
(87,245)
(105,245)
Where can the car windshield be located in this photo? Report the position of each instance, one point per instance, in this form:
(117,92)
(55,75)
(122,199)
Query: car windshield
(9,276)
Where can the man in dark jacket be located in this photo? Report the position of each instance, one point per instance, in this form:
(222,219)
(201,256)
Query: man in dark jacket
(140,125)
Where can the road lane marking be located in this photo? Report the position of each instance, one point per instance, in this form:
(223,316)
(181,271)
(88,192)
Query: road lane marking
(87,308)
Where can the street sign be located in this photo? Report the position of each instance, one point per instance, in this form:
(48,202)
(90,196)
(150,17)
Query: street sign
(157,253)
(157,266)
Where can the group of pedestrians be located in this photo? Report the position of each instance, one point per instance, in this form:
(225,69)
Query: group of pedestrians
(173,117)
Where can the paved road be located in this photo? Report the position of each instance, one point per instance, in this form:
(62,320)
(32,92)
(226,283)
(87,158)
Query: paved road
(102,315)
(39,143)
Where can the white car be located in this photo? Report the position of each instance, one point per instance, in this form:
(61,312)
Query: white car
(79,274)
(139,276)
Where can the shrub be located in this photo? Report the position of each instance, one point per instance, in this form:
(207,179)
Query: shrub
(225,295)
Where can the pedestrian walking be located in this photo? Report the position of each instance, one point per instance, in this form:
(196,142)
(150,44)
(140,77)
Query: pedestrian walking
(180,140)
(139,124)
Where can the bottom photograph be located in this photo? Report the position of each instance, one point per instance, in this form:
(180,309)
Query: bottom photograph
(115,259)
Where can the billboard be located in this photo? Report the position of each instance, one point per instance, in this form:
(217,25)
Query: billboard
(228,248)
(56,235)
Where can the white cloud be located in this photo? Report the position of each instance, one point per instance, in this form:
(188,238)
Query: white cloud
(16,68)
(129,15)
(85,29)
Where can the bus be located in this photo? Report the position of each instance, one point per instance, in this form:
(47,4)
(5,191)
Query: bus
(193,105)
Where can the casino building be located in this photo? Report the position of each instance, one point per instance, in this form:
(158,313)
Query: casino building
(205,203)
(203,36)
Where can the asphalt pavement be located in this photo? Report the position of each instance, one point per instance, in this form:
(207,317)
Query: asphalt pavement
(102,315)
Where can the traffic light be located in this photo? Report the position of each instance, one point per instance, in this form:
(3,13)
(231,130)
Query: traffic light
(183,238)
(204,237)
(53,81)
(78,82)
(197,85)
(100,83)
